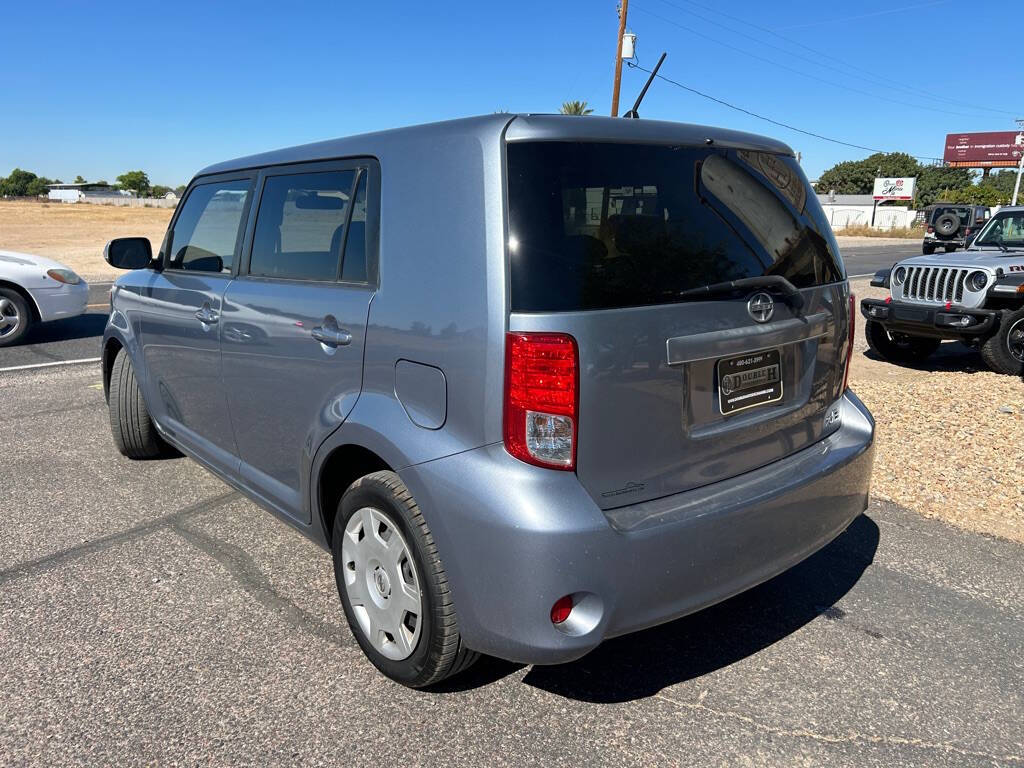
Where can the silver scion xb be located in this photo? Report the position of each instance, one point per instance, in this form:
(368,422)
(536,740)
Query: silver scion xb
(534,381)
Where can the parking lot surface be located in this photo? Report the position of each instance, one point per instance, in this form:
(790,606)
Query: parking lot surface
(149,614)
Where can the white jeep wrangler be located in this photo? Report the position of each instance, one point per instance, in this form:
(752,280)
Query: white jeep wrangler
(976,297)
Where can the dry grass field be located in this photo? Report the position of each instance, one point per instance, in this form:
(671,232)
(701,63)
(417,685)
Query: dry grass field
(76,234)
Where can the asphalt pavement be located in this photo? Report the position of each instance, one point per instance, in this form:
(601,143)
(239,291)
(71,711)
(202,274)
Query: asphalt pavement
(150,614)
(863,260)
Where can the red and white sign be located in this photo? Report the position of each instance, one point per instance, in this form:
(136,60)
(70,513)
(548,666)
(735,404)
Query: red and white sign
(894,189)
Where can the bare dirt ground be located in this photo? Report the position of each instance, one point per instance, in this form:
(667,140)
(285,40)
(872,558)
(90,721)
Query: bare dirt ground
(950,434)
(75,234)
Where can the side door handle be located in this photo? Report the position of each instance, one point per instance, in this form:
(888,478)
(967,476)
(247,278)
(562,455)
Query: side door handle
(334,337)
(207,315)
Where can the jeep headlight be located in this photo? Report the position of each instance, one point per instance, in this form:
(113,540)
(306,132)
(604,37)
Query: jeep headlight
(977,281)
(899,275)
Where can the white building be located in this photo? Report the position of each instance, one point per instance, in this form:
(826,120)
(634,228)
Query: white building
(74,193)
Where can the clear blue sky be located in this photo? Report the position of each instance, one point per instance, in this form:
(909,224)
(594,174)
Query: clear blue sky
(100,88)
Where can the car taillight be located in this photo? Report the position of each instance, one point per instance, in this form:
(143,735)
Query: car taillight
(541,398)
(849,343)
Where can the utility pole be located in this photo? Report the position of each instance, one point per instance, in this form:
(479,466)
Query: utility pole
(618,58)
(1020,165)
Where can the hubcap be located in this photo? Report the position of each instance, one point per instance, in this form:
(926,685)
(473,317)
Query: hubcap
(381,583)
(10,318)
(1015,340)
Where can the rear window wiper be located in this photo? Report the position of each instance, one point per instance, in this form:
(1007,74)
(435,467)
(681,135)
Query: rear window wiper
(778,283)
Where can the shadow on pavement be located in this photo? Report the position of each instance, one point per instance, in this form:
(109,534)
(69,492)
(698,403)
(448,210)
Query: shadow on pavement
(950,356)
(82,327)
(642,664)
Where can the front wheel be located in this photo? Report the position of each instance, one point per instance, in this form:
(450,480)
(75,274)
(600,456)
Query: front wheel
(1003,351)
(900,348)
(15,317)
(134,432)
(393,585)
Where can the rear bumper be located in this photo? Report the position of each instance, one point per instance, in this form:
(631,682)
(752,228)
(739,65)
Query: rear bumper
(515,538)
(936,322)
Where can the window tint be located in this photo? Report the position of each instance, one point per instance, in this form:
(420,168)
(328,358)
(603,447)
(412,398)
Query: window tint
(206,230)
(354,267)
(301,225)
(1003,229)
(596,226)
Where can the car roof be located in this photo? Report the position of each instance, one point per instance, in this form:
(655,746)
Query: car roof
(515,127)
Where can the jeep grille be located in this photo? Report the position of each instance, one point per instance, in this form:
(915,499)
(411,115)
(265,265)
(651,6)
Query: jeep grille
(935,285)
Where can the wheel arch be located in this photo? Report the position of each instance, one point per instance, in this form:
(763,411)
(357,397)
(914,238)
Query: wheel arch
(341,467)
(25,294)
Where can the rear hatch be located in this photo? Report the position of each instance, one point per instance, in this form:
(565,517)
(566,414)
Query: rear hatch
(678,388)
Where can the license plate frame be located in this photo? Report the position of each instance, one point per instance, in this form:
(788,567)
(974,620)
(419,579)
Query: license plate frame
(749,380)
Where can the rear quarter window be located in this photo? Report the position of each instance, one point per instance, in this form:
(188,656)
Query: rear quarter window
(598,226)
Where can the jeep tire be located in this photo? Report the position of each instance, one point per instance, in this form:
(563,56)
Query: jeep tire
(1003,351)
(927,250)
(899,348)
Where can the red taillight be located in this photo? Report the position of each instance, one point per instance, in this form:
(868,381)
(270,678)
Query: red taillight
(541,398)
(561,609)
(849,343)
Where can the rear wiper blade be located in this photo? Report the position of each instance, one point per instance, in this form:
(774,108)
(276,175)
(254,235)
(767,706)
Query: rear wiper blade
(771,282)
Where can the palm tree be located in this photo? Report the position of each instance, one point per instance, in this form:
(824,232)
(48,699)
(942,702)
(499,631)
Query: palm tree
(575,108)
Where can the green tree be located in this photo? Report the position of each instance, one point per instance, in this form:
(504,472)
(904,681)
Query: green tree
(933,180)
(159,190)
(976,194)
(79,180)
(179,190)
(16,185)
(1002,182)
(38,186)
(857,177)
(575,108)
(135,181)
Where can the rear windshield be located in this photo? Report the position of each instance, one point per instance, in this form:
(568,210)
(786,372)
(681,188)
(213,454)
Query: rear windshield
(597,226)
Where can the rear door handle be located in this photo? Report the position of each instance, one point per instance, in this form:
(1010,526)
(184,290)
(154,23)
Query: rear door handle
(334,337)
(207,315)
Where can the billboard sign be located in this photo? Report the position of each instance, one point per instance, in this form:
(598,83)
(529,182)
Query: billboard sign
(992,149)
(894,189)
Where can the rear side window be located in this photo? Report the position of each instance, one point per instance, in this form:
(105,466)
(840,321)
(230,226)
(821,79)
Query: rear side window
(207,229)
(598,226)
(300,226)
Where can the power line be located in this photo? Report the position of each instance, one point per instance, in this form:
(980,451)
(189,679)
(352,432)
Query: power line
(772,121)
(856,69)
(796,71)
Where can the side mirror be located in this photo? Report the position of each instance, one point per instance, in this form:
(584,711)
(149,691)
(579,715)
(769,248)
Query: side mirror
(128,253)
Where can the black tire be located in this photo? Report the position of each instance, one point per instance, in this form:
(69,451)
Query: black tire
(134,433)
(439,652)
(947,225)
(15,317)
(898,348)
(1003,351)
(950,248)
(927,250)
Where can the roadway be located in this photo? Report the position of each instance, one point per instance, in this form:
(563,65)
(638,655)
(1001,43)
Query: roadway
(151,615)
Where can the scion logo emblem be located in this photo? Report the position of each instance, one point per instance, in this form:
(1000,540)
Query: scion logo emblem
(761,307)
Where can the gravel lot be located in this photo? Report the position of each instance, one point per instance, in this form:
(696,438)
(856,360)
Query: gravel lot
(950,435)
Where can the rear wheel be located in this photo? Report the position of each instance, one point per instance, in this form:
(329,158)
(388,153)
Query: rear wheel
(393,586)
(134,433)
(15,317)
(950,248)
(900,348)
(1003,351)
(927,250)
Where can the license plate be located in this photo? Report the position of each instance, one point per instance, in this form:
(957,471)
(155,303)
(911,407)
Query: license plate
(749,380)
